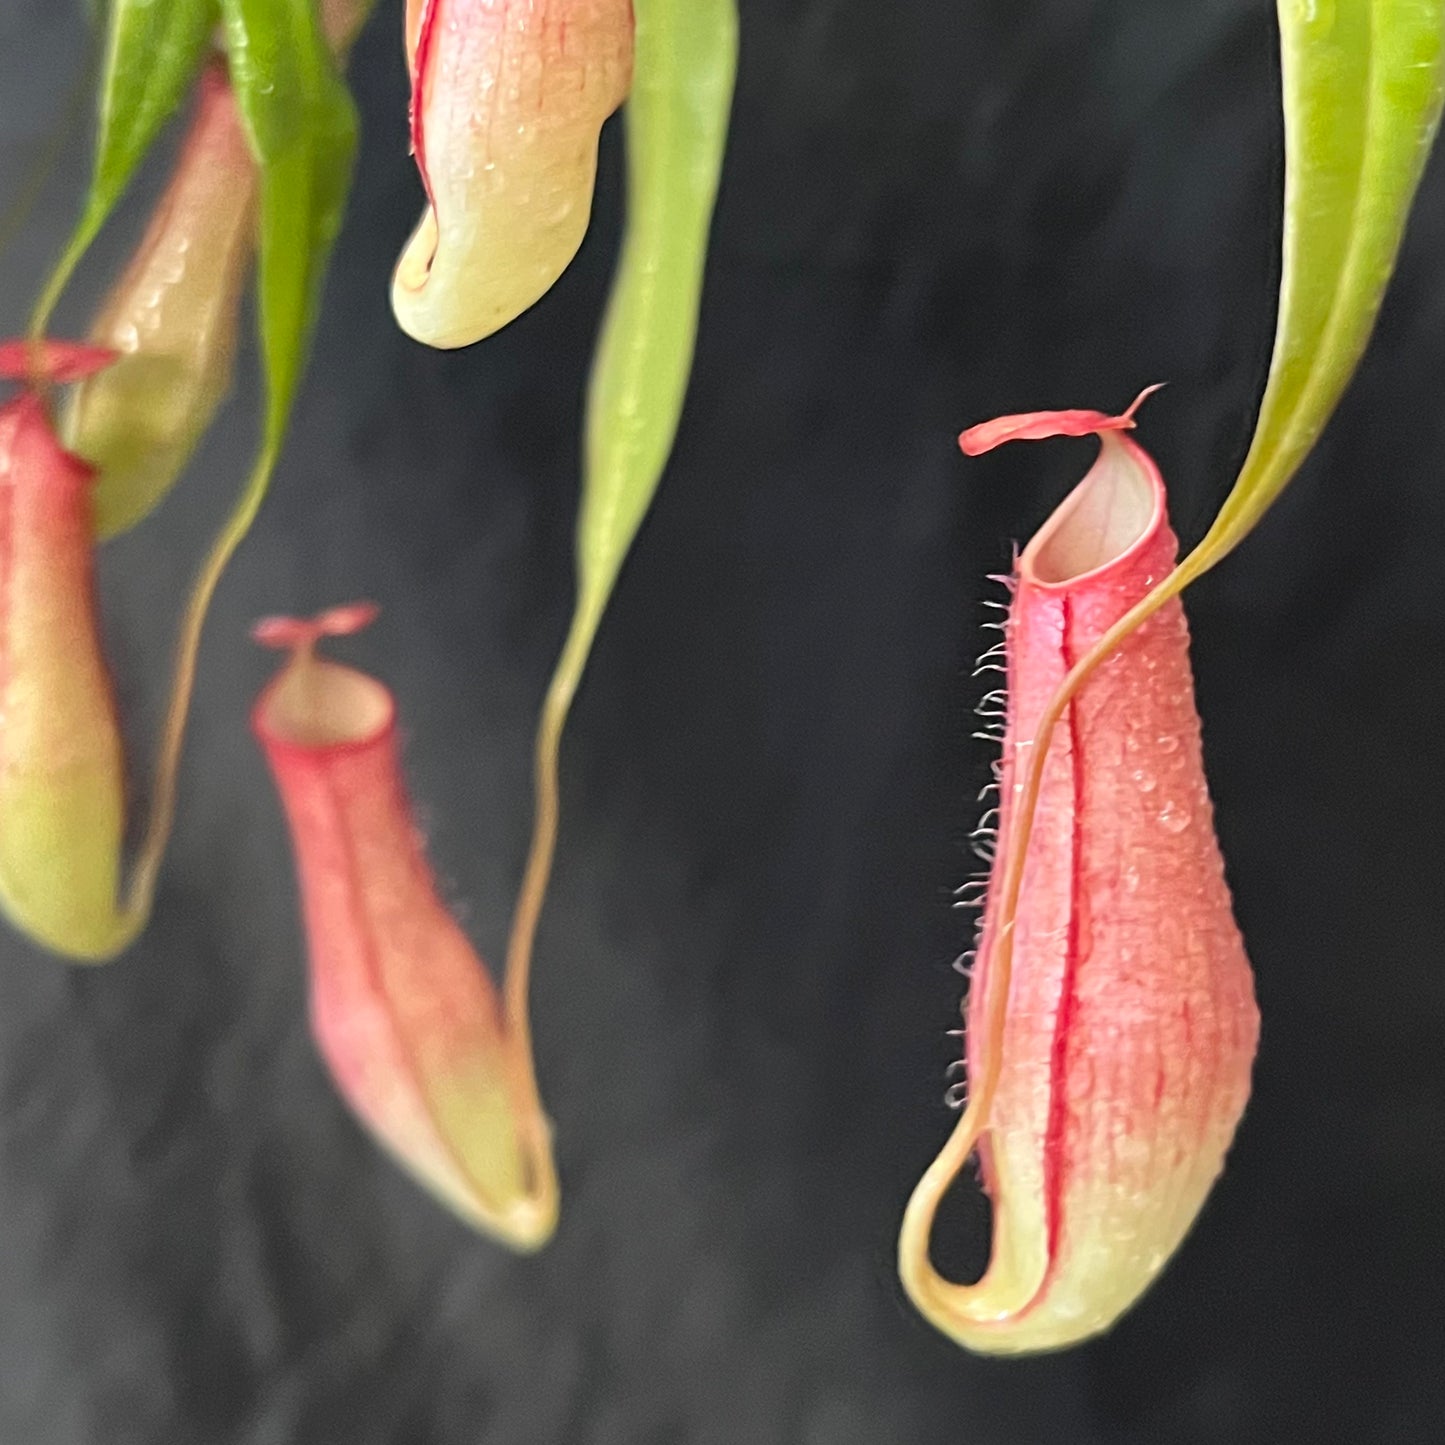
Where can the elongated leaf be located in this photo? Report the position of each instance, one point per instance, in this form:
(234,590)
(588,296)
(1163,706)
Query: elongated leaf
(1363,83)
(153,50)
(302,126)
(676,119)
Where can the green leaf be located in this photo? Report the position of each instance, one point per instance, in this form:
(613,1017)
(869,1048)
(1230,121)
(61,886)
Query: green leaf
(1363,83)
(676,120)
(302,126)
(153,50)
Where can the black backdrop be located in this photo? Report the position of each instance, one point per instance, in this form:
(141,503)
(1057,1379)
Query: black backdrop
(932,211)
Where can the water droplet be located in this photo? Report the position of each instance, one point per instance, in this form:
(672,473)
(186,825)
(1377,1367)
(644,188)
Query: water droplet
(1167,743)
(1173,818)
(1144,780)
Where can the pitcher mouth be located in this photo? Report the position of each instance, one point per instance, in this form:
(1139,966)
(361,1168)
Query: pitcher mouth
(1103,524)
(316,706)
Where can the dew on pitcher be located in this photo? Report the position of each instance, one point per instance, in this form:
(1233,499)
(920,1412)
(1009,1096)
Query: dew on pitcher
(1173,818)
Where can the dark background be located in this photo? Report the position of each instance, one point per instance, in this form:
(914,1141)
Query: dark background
(932,212)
